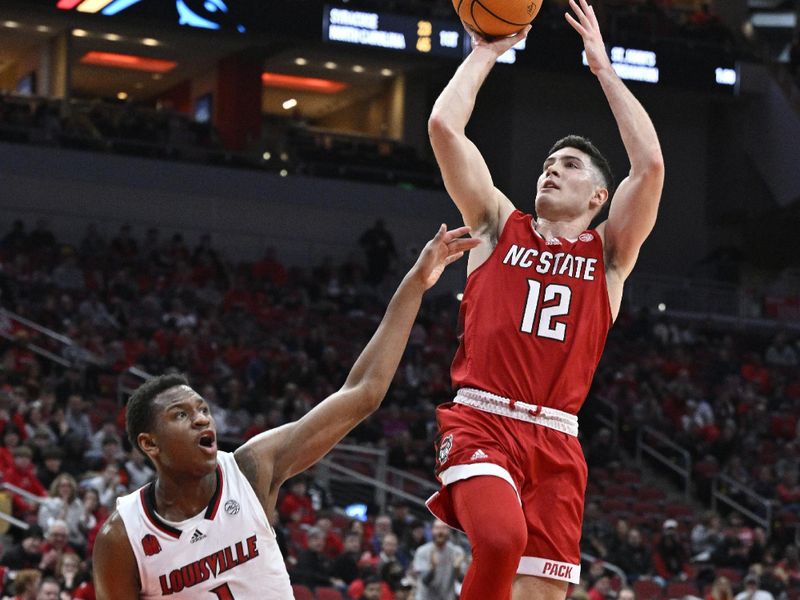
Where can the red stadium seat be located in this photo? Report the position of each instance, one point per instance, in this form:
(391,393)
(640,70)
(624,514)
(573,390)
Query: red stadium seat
(733,575)
(647,590)
(328,593)
(679,589)
(301,592)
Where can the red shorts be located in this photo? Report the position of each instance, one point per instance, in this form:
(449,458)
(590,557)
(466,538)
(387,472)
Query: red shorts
(545,467)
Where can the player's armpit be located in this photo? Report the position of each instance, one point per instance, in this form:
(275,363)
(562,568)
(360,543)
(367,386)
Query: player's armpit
(115,571)
(631,217)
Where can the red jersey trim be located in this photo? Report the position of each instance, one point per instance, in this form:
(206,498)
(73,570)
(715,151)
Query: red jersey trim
(148,499)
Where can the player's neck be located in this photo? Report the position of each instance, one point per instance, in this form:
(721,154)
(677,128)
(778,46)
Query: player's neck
(559,228)
(178,499)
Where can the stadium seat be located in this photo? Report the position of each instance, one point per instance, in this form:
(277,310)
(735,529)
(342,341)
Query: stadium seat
(734,575)
(647,590)
(328,593)
(301,592)
(679,589)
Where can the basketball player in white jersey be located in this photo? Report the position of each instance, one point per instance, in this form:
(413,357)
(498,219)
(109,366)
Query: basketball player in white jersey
(200,530)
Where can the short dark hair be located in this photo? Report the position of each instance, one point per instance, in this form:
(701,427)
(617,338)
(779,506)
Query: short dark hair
(139,411)
(598,160)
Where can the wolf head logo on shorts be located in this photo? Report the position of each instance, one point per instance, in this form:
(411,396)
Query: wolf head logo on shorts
(444,448)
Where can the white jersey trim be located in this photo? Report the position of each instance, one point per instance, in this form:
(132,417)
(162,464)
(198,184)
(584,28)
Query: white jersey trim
(505,407)
(460,472)
(551,569)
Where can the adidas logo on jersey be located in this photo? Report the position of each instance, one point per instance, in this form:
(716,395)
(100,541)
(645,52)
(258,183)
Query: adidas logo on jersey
(479,455)
(197,536)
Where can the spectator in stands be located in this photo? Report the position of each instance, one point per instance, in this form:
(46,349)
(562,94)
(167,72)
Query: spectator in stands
(601,590)
(789,567)
(68,572)
(138,470)
(788,491)
(780,353)
(706,536)
(22,474)
(720,590)
(313,568)
(383,527)
(626,593)
(438,565)
(596,531)
(96,515)
(390,568)
(345,566)
(603,450)
(296,505)
(372,589)
(108,484)
(670,558)
(27,554)
(619,538)
(64,505)
(635,558)
(26,584)
(49,589)
(379,250)
(77,419)
(752,591)
(55,546)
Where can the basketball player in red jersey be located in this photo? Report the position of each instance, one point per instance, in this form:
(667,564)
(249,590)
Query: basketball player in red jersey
(541,295)
(200,530)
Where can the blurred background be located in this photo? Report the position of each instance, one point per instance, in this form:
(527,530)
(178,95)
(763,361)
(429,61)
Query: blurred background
(233,188)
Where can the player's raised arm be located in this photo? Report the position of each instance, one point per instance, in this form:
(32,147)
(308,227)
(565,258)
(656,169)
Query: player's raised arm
(114,564)
(633,209)
(274,456)
(464,171)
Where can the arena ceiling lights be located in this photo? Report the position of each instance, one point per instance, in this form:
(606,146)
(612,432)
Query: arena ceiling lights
(303,84)
(128,61)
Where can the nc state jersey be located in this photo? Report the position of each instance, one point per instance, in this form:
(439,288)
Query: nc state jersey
(534,318)
(226,552)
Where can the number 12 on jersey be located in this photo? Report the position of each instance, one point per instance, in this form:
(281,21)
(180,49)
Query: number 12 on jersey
(548,326)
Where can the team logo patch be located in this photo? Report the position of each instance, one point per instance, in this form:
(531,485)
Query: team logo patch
(150,545)
(444,449)
(232,507)
(586,237)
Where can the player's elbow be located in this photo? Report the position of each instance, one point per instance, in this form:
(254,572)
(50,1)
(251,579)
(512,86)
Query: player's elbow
(439,127)
(370,394)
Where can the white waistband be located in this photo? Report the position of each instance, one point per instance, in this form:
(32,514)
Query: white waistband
(498,405)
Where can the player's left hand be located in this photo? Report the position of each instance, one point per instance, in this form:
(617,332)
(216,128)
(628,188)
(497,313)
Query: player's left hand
(445,248)
(588,28)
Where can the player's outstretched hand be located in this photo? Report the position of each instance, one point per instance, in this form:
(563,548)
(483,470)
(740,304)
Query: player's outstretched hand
(496,45)
(445,248)
(586,25)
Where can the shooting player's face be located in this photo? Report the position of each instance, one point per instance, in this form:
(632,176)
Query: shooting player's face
(184,435)
(568,185)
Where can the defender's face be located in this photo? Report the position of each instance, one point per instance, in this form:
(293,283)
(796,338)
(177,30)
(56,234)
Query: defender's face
(567,185)
(184,437)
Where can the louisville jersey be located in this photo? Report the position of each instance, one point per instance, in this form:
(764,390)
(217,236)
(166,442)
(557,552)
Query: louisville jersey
(228,551)
(534,318)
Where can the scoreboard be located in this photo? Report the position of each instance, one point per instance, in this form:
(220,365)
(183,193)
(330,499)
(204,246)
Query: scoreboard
(394,32)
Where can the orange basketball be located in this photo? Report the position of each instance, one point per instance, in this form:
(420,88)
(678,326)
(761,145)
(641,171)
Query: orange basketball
(497,18)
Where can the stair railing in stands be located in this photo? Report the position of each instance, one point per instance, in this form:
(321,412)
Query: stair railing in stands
(67,358)
(653,443)
(725,489)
